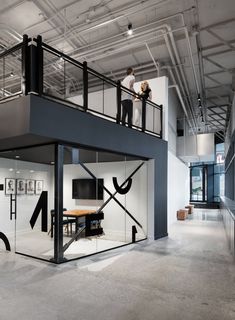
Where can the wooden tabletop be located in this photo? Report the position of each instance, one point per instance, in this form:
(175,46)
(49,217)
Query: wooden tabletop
(77,213)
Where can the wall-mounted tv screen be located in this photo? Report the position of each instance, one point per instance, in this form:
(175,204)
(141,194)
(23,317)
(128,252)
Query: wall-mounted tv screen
(88,189)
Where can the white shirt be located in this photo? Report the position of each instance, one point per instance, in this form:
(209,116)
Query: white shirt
(126,83)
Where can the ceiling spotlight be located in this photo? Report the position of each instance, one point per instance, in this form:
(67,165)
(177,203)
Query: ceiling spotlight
(130,30)
(12,74)
(200,105)
(199,97)
(61,59)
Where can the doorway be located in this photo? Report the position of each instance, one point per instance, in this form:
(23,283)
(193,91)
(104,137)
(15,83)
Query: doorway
(198,184)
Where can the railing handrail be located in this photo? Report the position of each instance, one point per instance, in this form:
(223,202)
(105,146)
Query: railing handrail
(96,73)
(32,66)
(14,48)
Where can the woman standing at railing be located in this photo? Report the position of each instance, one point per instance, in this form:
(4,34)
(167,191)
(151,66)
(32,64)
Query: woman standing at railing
(146,93)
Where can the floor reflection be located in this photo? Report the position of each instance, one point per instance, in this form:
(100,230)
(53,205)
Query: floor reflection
(205,215)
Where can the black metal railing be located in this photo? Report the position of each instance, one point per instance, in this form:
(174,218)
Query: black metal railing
(13,70)
(44,70)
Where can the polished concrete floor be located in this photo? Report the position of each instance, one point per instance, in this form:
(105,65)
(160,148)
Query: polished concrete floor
(189,275)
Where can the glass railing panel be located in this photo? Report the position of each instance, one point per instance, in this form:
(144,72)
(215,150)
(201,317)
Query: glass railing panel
(53,75)
(73,83)
(153,118)
(10,74)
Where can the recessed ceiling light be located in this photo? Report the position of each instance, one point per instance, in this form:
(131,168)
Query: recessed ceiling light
(52,162)
(18,171)
(31,171)
(17,157)
(11,169)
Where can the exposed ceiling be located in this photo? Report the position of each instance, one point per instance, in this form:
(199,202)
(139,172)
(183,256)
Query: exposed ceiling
(191,41)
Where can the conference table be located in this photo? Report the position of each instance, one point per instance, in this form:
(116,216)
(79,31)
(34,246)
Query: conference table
(76,214)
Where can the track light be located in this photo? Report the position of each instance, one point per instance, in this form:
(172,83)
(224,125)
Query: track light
(130,30)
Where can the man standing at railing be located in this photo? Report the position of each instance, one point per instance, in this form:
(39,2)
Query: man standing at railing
(127,98)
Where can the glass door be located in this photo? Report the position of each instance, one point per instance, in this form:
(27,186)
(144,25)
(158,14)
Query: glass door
(198,183)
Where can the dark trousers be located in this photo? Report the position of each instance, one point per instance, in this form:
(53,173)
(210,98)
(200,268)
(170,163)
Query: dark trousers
(127,111)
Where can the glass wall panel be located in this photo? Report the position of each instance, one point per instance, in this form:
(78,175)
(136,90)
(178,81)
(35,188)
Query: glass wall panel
(32,173)
(197,184)
(100,204)
(7,193)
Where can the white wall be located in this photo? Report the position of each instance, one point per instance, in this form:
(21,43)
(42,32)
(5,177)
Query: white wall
(173,111)
(178,186)
(178,172)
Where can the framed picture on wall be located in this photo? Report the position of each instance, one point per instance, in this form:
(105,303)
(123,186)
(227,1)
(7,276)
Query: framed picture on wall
(30,186)
(38,186)
(10,186)
(20,186)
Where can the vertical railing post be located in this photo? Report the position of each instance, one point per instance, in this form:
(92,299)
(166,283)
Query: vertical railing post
(161,129)
(85,86)
(24,67)
(40,65)
(119,93)
(58,219)
(143,114)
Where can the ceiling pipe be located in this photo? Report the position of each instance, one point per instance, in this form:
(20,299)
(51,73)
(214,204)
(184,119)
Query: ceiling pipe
(152,57)
(179,96)
(171,86)
(181,100)
(82,28)
(11,32)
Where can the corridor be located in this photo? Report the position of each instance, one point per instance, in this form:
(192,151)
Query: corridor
(189,275)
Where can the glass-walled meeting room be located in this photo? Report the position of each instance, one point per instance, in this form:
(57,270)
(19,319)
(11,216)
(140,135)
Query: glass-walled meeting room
(101,196)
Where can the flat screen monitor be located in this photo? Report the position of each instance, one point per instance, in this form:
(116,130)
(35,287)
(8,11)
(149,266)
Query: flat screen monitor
(88,189)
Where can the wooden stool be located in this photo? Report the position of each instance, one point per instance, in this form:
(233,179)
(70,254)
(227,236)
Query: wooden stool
(182,214)
(190,207)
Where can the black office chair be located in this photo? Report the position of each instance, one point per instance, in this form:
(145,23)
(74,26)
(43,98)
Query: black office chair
(67,221)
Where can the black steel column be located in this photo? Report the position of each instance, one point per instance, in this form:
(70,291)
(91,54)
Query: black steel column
(119,93)
(40,65)
(85,86)
(24,67)
(58,220)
